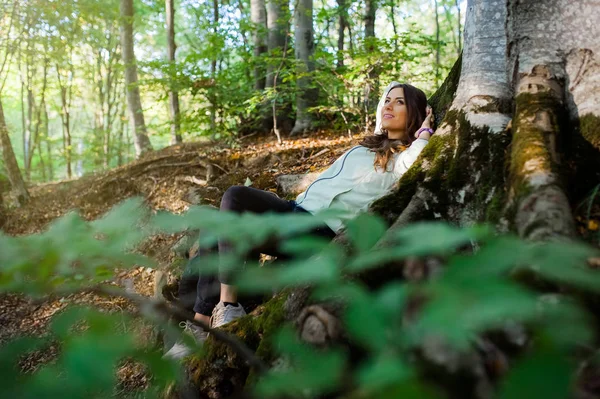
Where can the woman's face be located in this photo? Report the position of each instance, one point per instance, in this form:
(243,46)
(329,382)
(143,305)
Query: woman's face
(393,114)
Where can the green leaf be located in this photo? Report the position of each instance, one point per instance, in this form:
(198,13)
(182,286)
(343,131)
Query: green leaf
(313,372)
(382,371)
(544,374)
(471,308)
(367,324)
(365,230)
(566,262)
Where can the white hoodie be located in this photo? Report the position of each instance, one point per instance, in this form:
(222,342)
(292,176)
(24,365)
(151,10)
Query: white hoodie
(351,183)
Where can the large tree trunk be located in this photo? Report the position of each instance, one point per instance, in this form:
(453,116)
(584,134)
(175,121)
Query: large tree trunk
(517,64)
(258,16)
(303,35)
(134,102)
(173,94)
(10,162)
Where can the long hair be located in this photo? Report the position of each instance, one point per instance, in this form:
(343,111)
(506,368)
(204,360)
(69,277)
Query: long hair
(381,145)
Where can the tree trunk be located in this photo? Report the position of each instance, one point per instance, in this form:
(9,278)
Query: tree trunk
(34,138)
(277,113)
(369,21)
(10,162)
(342,11)
(371,89)
(258,16)
(134,102)
(277,25)
(459,28)
(48,144)
(437,43)
(213,73)
(65,116)
(173,94)
(303,35)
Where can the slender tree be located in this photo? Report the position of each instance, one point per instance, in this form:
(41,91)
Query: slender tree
(459,27)
(371,92)
(140,138)
(10,161)
(7,46)
(277,26)
(437,43)
(173,94)
(342,11)
(303,35)
(213,71)
(258,16)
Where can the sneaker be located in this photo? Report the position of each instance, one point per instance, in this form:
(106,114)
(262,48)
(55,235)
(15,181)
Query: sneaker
(181,350)
(222,314)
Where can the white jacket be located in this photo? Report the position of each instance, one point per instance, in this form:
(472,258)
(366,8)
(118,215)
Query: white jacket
(351,183)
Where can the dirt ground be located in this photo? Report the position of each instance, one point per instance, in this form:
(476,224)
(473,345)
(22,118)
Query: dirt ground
(169,179)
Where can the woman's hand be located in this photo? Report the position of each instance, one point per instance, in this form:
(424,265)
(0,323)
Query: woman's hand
(427,123)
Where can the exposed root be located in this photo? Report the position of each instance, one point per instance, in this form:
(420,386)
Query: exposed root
(542,208)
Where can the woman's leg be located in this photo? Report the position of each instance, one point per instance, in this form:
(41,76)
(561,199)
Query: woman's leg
(246,199)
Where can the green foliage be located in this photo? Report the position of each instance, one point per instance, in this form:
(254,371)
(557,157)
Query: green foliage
(474,293)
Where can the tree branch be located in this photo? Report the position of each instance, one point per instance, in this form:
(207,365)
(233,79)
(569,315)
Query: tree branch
(149,304)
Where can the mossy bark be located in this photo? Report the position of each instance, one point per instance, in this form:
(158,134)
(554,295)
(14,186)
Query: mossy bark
(221,371)
(540,206)
(463,168)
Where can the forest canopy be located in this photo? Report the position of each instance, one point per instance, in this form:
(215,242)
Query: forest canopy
(64,76)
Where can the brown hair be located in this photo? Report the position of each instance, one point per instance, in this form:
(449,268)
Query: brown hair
(381,145)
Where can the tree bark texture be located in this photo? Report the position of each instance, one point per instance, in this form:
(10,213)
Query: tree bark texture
(370,92)
(10,162)
(258,16)
(212,96)
(277,26)
(138,126)
(515,114)
(304,39)
(173,94)
(342,10)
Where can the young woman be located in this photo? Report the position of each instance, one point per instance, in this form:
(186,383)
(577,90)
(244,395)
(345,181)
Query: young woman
(356,179)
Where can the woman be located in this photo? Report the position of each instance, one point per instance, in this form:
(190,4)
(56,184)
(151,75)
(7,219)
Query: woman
(356,179)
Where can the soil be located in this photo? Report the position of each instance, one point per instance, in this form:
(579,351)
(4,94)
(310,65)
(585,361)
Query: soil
(169,179)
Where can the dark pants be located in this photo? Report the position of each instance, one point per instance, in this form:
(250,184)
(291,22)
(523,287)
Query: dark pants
(203,290)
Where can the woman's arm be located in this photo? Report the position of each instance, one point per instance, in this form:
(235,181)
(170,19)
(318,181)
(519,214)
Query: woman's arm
(410,155)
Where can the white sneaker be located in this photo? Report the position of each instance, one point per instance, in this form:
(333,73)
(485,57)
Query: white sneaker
(181,350)
(222,314)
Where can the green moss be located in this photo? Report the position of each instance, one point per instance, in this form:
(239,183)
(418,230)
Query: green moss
(529,141)
(589,125)
(441,100)
(255,331)
(454,160)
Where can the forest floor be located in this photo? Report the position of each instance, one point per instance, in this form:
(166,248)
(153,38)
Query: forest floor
(169,179)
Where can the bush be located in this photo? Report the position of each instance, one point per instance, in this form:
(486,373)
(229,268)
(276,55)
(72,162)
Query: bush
(476,292)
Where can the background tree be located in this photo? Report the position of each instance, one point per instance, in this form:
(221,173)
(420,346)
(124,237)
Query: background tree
(173,94)
(304,50)
(138,126)
(11,24)
(258,15)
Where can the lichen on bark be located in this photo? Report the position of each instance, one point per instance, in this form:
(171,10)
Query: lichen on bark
(539,207)
(590,129)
